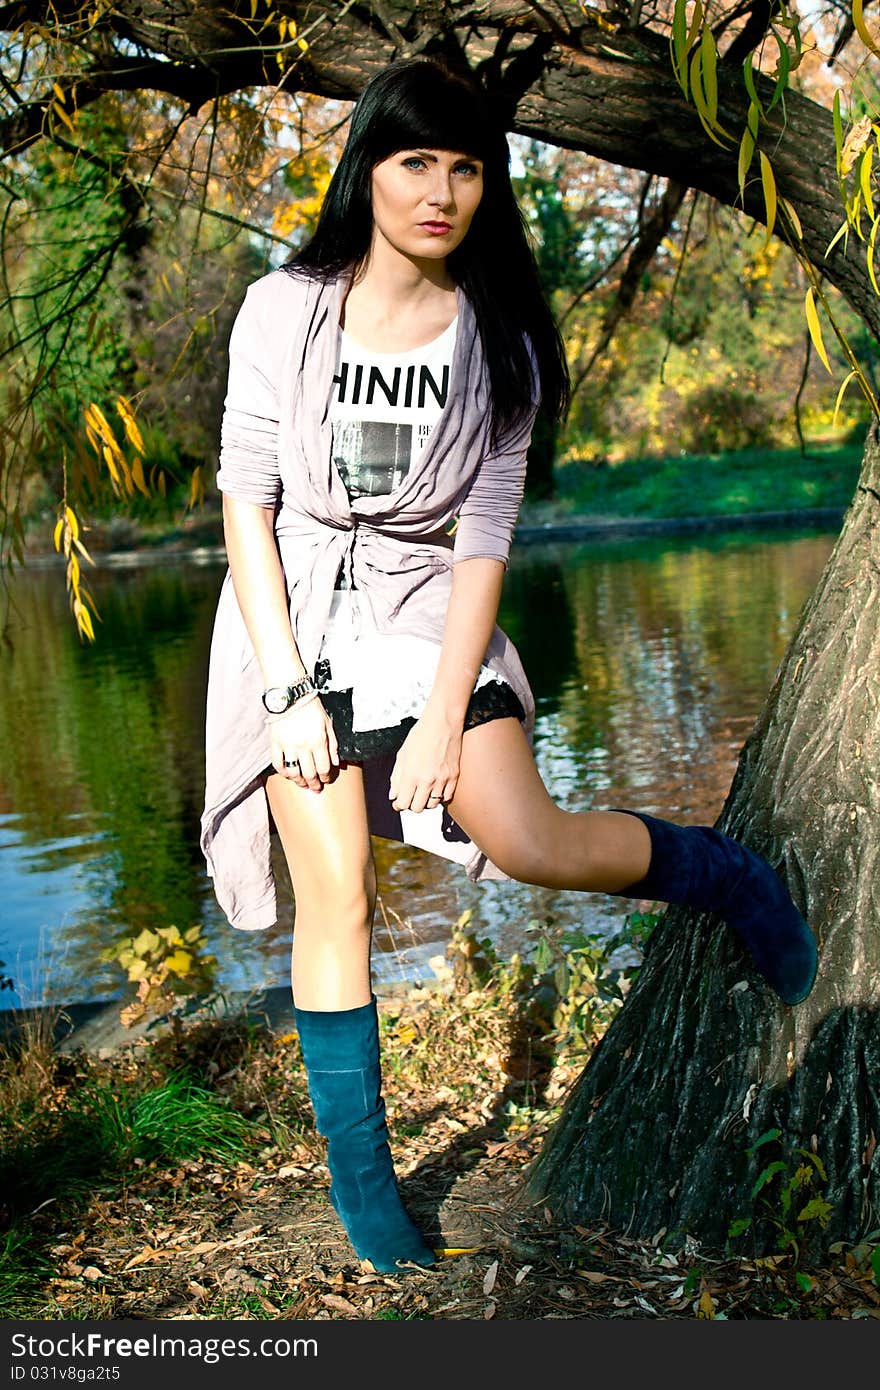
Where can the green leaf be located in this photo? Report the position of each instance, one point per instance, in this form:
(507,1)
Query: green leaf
(768,1174)
(709,73)
(804,1282)
(782,72)
(838,129)
(751,88)
(739,1226)
(679,44)
(875,1265)
(766,1138)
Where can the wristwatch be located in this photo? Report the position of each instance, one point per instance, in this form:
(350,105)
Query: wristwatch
(279,698)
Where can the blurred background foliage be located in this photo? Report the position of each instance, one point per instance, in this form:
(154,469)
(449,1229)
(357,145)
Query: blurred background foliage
(128,240)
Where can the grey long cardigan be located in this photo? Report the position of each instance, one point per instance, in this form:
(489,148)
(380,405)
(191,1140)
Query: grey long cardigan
(276,452)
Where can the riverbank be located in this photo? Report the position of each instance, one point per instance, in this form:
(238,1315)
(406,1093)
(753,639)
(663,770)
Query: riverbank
(640,497)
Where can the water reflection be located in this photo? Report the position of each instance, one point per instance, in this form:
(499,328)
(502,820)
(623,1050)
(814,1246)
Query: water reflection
(649,661)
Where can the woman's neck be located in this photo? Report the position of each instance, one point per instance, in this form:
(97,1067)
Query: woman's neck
(396,303)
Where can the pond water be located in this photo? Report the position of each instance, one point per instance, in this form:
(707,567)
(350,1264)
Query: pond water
(649,660)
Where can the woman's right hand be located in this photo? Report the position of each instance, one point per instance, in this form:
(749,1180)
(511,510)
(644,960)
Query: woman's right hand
(303,744)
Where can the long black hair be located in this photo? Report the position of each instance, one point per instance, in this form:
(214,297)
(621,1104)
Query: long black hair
(416,103)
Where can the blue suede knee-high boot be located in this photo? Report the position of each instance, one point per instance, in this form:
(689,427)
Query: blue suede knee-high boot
(698,867)
(341,1054)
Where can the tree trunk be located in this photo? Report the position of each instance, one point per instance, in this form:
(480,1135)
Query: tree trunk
(702,1061)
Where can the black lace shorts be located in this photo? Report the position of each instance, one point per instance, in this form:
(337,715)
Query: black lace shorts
(493,700)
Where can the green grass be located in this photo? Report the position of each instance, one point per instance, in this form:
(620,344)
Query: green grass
(99,1138)
(750,480)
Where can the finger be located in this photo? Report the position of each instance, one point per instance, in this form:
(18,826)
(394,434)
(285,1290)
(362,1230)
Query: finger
(309,772)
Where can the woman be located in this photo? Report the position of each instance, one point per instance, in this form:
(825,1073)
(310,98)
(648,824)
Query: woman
(382,390)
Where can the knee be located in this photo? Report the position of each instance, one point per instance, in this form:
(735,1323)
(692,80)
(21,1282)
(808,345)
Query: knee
(527,853)
(339,905)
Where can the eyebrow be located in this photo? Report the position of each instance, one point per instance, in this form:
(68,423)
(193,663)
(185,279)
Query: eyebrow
(426,154)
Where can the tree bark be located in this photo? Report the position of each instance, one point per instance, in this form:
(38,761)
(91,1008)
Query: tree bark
(701,1061)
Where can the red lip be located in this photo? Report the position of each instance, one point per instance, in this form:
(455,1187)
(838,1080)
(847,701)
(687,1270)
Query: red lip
(436,228)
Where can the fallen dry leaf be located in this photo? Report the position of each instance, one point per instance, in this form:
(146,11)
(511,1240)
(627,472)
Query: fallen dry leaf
(490,1277)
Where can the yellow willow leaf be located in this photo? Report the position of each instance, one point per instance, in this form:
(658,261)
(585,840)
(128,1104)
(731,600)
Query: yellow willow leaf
(699,100)
(861,28)
(85,624)
(865,179)
(815,327)
(98,420)
(842,231)
(792,217)
(870,256)
(769,185)
(73,572)
(70,518)
(302,45)
(111,464)
(56,534)
(63,116)
(82,550)
(137,473)
(838,403)
(59,91)
(196,490)
(124,410)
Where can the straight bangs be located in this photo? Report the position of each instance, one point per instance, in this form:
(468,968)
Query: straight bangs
(415,104)
(423,123)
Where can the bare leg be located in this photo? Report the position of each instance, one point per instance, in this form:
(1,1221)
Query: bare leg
(327,846)
(503,806)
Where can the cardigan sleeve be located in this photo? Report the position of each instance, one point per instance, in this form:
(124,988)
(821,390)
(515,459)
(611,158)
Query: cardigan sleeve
(487,516)
(249,427)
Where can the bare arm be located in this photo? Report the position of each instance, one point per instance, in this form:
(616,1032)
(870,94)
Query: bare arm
(259,587)
(470,622)
(305,732)
(427,766)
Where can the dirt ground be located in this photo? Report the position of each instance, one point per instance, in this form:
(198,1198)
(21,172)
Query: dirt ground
(259,1239)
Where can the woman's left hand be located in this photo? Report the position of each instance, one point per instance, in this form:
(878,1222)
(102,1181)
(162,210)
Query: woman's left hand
(427,766)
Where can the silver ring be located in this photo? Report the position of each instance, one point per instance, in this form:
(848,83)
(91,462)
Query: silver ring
(289,762)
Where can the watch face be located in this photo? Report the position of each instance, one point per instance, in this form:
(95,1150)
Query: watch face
(277,699)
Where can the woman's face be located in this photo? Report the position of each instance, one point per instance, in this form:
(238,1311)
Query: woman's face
(424,201)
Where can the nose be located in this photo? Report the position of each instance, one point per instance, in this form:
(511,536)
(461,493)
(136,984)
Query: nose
(440,195)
